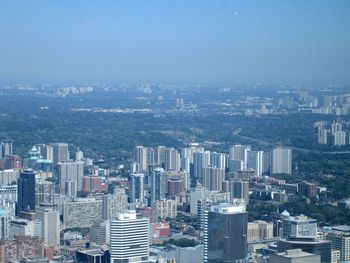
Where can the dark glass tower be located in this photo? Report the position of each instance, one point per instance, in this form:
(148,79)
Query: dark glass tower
(225,235)
(26,191)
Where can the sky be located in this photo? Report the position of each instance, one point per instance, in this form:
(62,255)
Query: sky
(194,41)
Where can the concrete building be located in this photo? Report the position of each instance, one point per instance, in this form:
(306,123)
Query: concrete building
(281,161)
(294,256)
(81,212)
(100,232)
(8,192)
(200,160)
(240,153)
(21,227)
(299,227)
(141,158)
(7,177)
(218,160)
(60,152)
(165,208)
(340,238)
(213,178)
(172,160)
(239,190)
(114,204)
(255,161)
(129,239)
(50,220)
(259,230)
(4,224)
(339,138)
(70,172)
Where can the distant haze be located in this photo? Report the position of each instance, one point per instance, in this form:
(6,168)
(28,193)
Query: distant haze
(300,41)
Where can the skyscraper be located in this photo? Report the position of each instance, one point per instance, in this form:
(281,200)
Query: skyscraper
(141,158)
(158,184)
(6,149)
(239,190)
(200,160)
(129,239)
(255,161)
(172,160)
(26,191)
(281,161)
(60,152)
(213,178)
(137,188)
(70,171)
(50,220)
(225,234)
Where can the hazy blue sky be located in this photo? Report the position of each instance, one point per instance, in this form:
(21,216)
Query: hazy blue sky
(180,40)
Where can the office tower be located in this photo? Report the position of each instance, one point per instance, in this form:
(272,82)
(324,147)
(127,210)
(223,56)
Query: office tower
(281,161)
(158,184)
(322,135)
(114,204)
(70,171)
(213,178)
(172,160)
(239,190)
(6,149)
(299,227)
(294,256)
(4,224)
(129,239)
(225,234)
(255,161)
(137,191)
(340,238)
(200,160)
(60,152)
(26,191)
(301,233)
(218,160)
(81,212)
(339,138)
(141,158)
(50,220)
